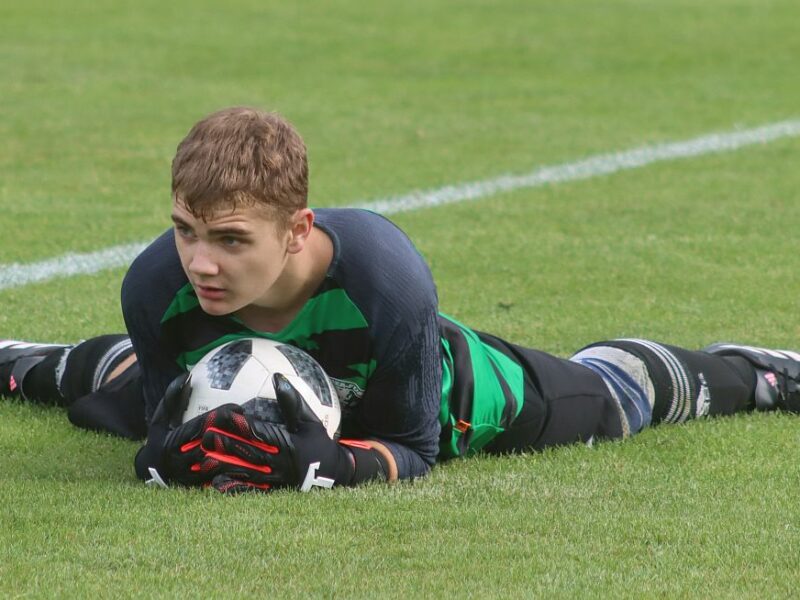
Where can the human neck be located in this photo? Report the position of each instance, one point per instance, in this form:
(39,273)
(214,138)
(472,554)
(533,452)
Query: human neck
(303,274)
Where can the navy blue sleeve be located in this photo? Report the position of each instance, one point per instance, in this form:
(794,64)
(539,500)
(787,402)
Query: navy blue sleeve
(147,291)
(392,285)
(401,403)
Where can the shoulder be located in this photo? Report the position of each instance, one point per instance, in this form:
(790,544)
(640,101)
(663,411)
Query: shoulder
(357,227)
(153,279)
(381,270)
(372,252)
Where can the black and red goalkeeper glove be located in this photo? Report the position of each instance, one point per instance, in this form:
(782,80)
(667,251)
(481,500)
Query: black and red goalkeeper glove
(172,452)
(259,455)
(149,459)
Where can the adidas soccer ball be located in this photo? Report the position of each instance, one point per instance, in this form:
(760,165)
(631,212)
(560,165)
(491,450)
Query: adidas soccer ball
(241,371)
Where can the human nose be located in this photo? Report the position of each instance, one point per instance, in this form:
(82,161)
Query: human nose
(202,261)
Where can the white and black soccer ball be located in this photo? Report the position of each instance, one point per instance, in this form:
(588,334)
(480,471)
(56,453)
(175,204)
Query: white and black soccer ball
(240,372)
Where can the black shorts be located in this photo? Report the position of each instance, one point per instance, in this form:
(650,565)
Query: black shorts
(564,402)
(117,407)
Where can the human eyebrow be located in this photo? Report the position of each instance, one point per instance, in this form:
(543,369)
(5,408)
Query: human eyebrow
(178,221)
(229,231)
(221,231)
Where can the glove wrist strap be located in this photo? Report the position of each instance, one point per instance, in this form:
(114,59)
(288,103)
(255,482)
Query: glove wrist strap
(368,463)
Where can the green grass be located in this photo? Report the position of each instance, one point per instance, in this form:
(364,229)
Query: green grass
(393,97)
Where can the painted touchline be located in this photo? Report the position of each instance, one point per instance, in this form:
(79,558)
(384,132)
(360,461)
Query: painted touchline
(70,264)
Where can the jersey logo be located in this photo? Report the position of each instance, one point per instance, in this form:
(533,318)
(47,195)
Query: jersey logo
(349,393)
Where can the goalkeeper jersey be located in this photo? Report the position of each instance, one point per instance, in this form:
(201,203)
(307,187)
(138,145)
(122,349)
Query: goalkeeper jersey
(418,381)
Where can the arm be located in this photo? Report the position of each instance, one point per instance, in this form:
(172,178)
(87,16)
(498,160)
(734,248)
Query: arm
(243,453)
(232,451)
(142,310)
(391,463)
(147,290)
(399,413)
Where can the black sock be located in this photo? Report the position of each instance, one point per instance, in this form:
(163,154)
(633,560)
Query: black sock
(689,384)
(61,379)
(41,382)
(731,381)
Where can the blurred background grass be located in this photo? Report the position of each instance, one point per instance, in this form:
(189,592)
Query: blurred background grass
(393,97)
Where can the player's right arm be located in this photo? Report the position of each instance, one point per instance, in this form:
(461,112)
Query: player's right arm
(145,295)
(147,291)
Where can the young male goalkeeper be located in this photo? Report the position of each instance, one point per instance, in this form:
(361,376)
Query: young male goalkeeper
(247,257)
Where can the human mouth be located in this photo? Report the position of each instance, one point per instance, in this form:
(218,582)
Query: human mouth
(208,292)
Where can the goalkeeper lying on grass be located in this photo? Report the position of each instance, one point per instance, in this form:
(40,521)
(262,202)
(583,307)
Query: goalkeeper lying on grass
(246,257)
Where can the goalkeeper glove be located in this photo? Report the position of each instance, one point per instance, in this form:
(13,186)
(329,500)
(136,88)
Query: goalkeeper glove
(259,455)
(173,451)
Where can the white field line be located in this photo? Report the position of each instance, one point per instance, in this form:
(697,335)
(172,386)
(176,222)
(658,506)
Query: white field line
(17,275)
(67,265)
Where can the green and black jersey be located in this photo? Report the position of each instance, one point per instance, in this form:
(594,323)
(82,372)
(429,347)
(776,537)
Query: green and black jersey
(418,381)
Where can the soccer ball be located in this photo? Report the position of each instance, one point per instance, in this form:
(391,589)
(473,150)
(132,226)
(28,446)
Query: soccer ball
(241,371)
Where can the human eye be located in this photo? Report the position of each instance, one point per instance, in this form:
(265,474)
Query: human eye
(230,241)
(184,231)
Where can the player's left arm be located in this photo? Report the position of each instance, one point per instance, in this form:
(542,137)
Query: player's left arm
(233,452)
(399,413)
(396,422)
(250,454)
(397,419)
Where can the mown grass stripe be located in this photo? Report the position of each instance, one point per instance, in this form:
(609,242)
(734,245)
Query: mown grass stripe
(70,264)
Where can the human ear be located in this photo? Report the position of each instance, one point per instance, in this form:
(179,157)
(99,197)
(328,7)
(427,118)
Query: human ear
(299,229)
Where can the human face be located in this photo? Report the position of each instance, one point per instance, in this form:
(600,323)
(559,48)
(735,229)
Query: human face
(233,259)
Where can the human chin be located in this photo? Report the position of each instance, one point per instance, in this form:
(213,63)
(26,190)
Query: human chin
(215,308)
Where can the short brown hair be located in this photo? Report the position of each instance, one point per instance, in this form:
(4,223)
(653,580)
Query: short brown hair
(241,156)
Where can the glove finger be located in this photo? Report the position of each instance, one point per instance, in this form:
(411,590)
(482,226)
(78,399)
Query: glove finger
(288,399)
(251,458)
(231,418)
(187,435)
(270,438)
(247,448)
(193,466)
(230,486)
(170,405)
(238,458)
(176,397)
(200,467)
(185,461)
(295,409)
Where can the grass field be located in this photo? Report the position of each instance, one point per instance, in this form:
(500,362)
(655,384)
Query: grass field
(391,98)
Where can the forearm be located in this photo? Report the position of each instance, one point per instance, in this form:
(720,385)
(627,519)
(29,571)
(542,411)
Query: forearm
(369,459)
(401,462)
(387,455)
